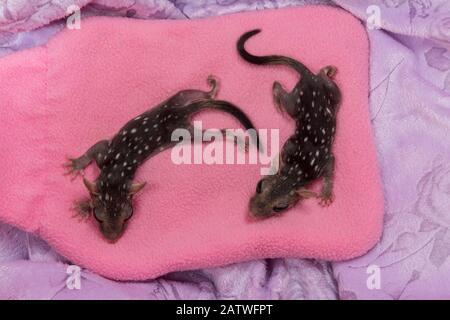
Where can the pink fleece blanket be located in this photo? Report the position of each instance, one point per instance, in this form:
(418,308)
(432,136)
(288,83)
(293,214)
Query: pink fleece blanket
(81,87)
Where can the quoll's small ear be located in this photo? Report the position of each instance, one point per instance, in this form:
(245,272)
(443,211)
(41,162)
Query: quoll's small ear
(305,193)
(92,187)
(136,187)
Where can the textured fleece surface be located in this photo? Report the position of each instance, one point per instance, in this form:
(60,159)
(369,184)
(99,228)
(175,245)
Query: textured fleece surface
(86,83)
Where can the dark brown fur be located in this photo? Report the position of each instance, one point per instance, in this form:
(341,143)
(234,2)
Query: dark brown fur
(307,154)
(140,138)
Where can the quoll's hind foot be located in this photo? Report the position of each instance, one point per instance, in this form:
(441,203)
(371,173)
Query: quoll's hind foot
(186,97)
(326,199)
(326,194)
(277,91)
(245,146)
(280,97)
(283,100)
(329,71)
(214,84)
(242,143)
(82,210)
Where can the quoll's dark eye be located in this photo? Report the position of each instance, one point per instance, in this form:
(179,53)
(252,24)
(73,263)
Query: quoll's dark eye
(129,214)
(98,214)
(259,186)
(280,208)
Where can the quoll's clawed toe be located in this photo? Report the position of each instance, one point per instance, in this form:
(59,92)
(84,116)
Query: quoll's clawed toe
(72,168)
(82,210)
(325,200)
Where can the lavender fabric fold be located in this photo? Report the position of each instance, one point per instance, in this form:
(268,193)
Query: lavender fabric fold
(410,106)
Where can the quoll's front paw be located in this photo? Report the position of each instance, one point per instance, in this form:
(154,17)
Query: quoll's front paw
(245,146)
(325,199)
(73,167)
(82,210)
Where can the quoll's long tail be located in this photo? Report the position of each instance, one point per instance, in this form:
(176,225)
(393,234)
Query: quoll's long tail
(231,109)
(268,60)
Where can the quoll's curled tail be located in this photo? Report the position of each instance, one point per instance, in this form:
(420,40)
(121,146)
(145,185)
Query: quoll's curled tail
(268,60)
(231,109)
